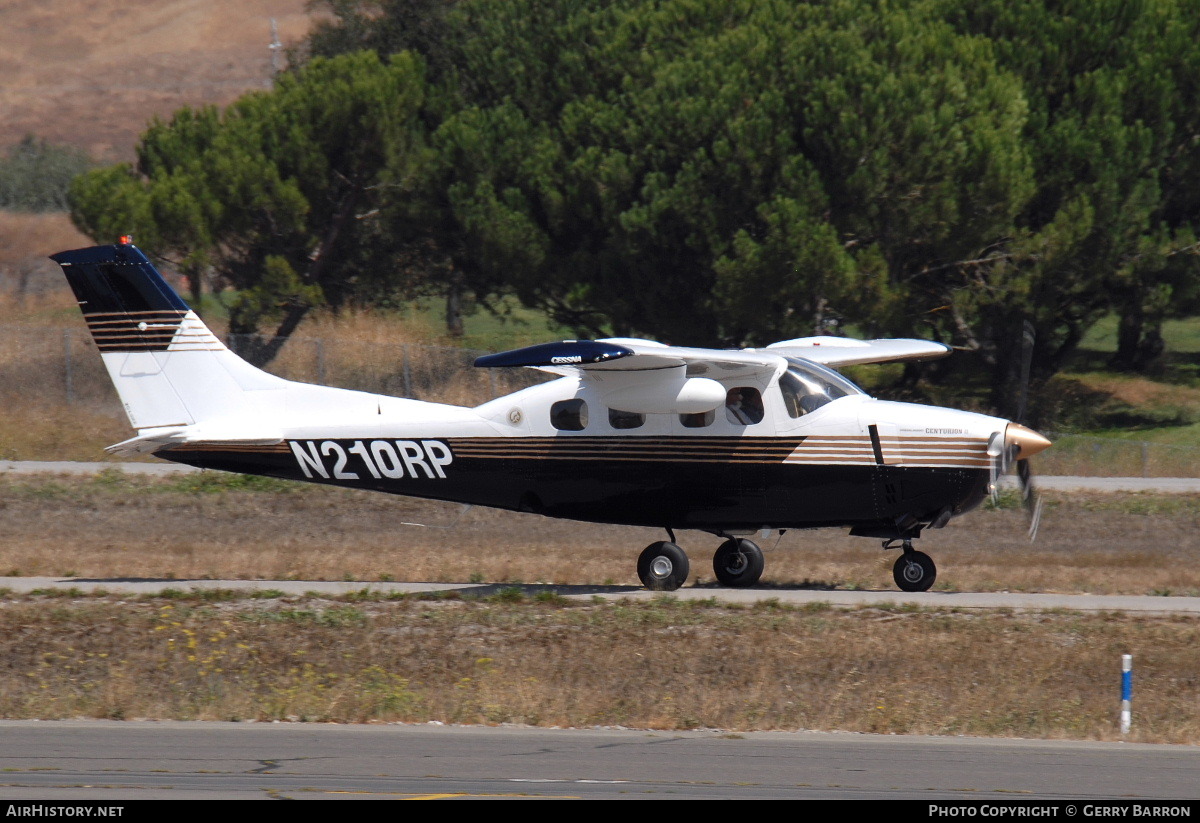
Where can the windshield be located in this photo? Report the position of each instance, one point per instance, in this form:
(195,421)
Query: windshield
(807,386)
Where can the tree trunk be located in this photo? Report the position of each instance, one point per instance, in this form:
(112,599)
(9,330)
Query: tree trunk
(195,280)
(454,307)
(253,347)
(1140,345)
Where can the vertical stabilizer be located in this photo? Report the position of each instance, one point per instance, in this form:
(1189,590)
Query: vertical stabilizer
(168,368)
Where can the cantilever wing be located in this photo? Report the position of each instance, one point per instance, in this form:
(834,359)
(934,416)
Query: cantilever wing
(614,354)
(849,351)
(644,376)
(626,354)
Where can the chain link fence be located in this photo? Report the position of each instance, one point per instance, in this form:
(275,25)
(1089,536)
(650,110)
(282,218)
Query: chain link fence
(38,364)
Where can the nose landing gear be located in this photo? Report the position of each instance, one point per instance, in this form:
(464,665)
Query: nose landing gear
(914,571)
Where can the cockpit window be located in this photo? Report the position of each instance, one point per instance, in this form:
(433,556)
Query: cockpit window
(807,387)
(569,415)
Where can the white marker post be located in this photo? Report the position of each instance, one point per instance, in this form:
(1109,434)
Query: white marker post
(1126,692)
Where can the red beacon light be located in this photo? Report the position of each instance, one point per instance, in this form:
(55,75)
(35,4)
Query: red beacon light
(126,240)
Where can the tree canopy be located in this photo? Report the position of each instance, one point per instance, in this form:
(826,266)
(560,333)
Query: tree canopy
(280,195)
(710,172)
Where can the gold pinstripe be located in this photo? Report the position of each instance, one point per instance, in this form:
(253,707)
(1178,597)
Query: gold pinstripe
(173,331)
(847,450)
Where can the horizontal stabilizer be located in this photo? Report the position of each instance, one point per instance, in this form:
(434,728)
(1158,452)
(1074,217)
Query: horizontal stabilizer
(152,440)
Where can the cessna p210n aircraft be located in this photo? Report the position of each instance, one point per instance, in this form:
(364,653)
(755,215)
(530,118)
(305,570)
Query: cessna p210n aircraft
(633,432)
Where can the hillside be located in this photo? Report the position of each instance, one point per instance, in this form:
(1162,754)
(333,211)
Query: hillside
(91,73)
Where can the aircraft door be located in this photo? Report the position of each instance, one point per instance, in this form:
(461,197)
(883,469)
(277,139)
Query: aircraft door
(887,477)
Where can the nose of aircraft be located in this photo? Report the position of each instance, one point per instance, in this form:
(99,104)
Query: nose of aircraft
(1027,441)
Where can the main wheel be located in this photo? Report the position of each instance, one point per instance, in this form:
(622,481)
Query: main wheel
(914,571)
(663,567)
(738,563)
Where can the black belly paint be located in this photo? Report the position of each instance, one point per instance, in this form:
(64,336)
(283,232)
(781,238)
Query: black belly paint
(708,483)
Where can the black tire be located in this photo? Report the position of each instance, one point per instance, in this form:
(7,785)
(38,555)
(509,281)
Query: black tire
(663,567)
(914,571)
(738,563)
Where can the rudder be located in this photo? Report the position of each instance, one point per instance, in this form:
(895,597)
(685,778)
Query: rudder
(169,369)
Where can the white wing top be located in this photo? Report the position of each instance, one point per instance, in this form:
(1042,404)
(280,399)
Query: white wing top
(617,354)
(648,377)
(848,351)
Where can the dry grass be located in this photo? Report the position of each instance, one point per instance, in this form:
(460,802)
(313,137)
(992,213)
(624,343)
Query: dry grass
(1142,392)
(32,288)
(47,431)
(542,660)
(93,74)
(665,664)
(225,526)
(392,354)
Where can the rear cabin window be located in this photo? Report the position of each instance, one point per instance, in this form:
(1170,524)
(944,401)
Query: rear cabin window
(625,420)
(699,420)
(744,406)
(569,415)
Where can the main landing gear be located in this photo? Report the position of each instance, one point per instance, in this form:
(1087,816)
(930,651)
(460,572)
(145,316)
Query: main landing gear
(914,571)
(663,566)
(738,563)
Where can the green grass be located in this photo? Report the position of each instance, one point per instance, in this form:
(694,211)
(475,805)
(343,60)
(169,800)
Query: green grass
(1181,336)
(1185,435)
(215,482)
(510,326)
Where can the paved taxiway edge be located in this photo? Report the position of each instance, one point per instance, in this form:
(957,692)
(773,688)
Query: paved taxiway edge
(965,601)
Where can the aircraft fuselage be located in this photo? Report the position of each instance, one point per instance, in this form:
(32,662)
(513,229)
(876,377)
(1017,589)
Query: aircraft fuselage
(725,481)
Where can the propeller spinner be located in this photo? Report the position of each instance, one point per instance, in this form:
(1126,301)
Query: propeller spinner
(1019,443)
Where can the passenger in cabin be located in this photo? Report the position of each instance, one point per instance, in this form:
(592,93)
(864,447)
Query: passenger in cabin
(743,406)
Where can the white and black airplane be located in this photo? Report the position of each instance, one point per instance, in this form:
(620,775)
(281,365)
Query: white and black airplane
(633,432)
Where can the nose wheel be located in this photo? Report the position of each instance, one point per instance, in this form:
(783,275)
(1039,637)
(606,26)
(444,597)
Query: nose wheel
(914,571)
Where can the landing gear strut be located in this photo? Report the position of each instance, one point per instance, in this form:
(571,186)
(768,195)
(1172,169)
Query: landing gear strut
(914,571)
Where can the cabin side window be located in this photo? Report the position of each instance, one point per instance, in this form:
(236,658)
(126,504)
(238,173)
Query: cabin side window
(699,420)
(744,406)
(569,415)
(625,420)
